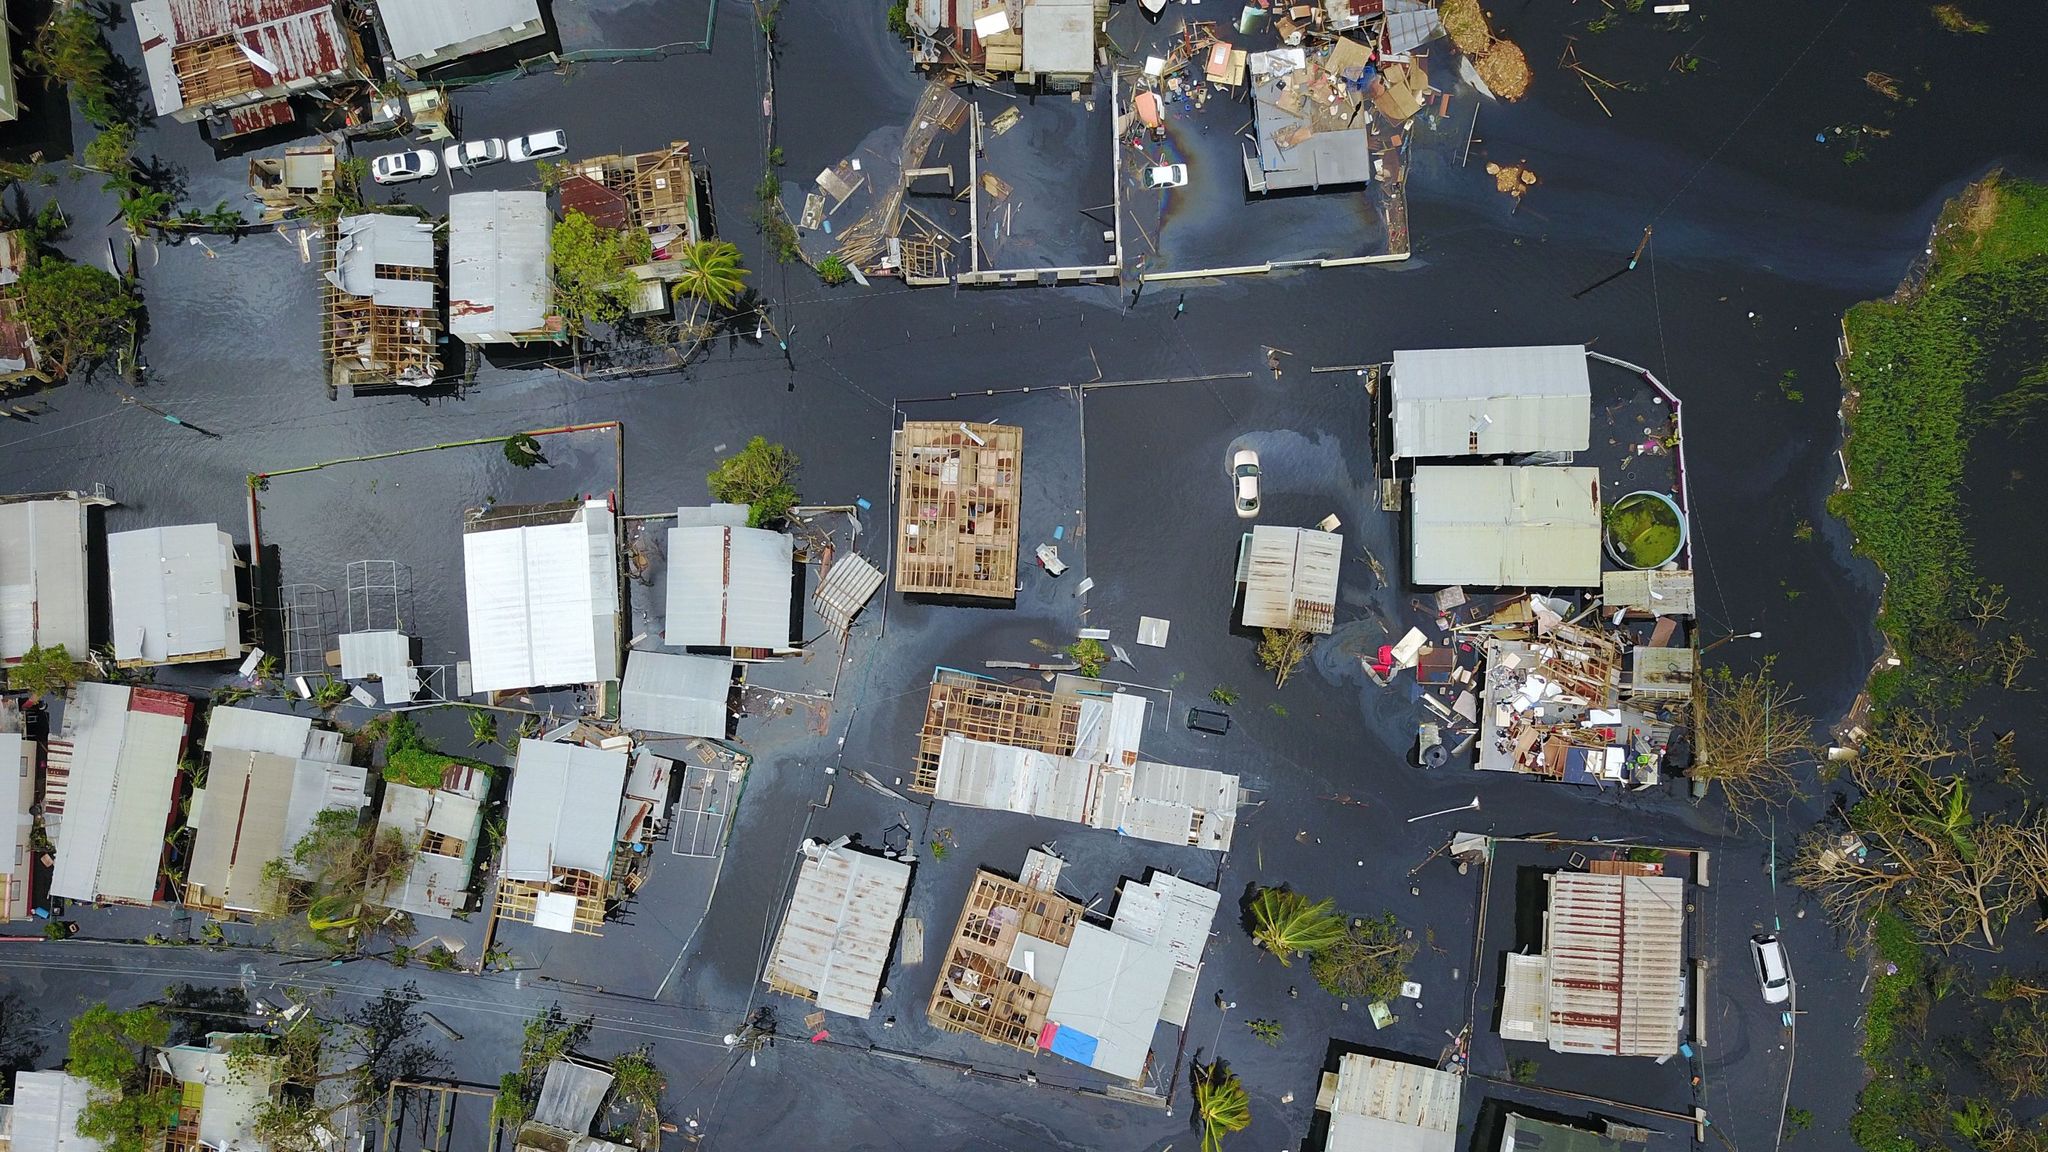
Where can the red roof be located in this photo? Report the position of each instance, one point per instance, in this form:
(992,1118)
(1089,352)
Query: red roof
(300,38)
(161,703)
(256,117)
(606,208)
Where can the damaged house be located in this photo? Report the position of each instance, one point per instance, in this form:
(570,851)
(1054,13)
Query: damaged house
(1609,979)
(269,777)
(237,63)
(655,192)
(382,302)
(561,836)
(21,359)
(1045,43)
(958,488)
(833,946)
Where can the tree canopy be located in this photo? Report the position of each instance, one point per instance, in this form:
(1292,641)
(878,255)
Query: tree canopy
(1288,924)
(77,314)
(592,284)
(712,273)
(762,476)
(107,1051)
(44,670)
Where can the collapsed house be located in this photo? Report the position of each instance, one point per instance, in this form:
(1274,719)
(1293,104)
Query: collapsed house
(1289,578)
(21,358)
(381,318)
(43,569)
(1505,527)
(1380,1105)
(173,595)
(1309,116)
(542,583)
(111,791)
(441,827)
(958,493)
(1491,401)
(17,828)
(499,287)
(269,777)
(1609,979)
(561,835)
(655,192)
(236,63)
(1070,754)
(833,946)
(729,586)
(1027,970)
(422,36)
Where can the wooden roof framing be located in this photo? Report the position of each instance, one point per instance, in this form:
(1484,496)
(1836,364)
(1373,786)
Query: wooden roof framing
(519,900)
(958,487)
(978,992)
(1000,713)
(366,343)
(659,187)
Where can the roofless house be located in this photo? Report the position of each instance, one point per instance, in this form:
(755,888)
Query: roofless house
(654,191)
(382,299)
(958,491)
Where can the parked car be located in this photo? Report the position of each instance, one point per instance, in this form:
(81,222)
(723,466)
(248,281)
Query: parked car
(1244,472)
(1209,720)
(473,153)
(1770,968)
(1166,176)
(537,145)
(399,167)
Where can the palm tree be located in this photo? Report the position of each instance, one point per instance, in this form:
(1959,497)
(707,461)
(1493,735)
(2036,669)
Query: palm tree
(1287,925)
(711,275)
(1220,1104)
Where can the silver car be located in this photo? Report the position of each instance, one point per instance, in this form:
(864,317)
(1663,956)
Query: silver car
(473,153)
(1771,971)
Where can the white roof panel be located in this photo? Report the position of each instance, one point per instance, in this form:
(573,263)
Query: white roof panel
(42,577)
(1491,401)
(729,587)
(563,810)
(676,694)
(1393,1106)
(421,34)
(364,245)
(124,765)
(538,617)
(1112,989)
(45,1113)
(254,730)
(1498,527)
(1059,36)
(497,263)
(173,593)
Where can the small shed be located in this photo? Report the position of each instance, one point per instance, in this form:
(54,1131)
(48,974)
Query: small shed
(1381,1105)
(421,36)
(729,586)
(834,944)
(498,282)
(173,597)
(677,695)
(1659,592)
(1289,577)
(1505,527)
(43,576)
(570,1094)
(1491,401)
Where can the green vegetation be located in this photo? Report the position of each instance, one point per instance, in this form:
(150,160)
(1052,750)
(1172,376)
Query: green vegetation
(46,670)
(78,314)
(899,19)
(1522,1070)
(1797,1120)
(409,757)
(1223,694)
(590,267)
(107,1052)
(1287,924)
(1915,373)
(1370,960)
(1643,529)
(762,476)
(522,450)
(1896,985)
(483,727)
(70,50)
(1281,651)
(832,270)
(1952,18)
(329,693)
(1220,1104)
(1269,1032)
(712,275)
(549,1036)
(1089,654)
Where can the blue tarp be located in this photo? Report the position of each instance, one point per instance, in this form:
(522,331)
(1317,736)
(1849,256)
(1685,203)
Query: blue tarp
(1075,1045)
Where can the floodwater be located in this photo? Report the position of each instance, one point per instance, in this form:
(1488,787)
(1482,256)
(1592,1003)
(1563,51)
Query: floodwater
(1762,236)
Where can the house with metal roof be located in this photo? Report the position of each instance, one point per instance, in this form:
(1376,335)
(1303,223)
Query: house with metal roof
(499,289)
(1289,578)
(382,302)
(18,759)
(422,36)
(112,790)
(833,946)
(43,576)
(1491,401)
(1505,527)
(1609,979)
(172,595)
(44,1115)
(240,60)
(269,777)
(654,191)
(561,835)
(672,694)
(1380,1105)
(221,1095)
(543,595)
(442,827)
(1525,1134)
(729,586)
(1059,42)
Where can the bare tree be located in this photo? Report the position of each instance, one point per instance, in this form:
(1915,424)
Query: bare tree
(1281,651)
(1752,739)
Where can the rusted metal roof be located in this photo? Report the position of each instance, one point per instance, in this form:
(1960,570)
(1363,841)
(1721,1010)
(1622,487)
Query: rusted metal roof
(300,38)
(256,117)
(606,208)
(237,51)
(1614,946)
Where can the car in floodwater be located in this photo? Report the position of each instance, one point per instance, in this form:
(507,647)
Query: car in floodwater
(1771,971)
(473,153)
(1166,176)
(399,167)
(537,145)
(1244,474)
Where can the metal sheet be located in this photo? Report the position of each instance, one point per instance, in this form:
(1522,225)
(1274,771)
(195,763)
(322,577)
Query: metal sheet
(1112,988)
(835,937)
(497,264)
(729,587)
(172,593)
(1494,527)
(1393,1106)
(1491,401)
(534,617)
(563,810)
(42,577)
(675,694)
(424,34)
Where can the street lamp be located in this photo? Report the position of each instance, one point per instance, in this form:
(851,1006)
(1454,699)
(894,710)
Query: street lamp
(1731,636)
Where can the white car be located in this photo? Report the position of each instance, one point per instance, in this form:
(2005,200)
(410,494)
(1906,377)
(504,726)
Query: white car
(1771,971)
(1166,176)
(1244,472)
(473,153)
(399,167)
(537,145)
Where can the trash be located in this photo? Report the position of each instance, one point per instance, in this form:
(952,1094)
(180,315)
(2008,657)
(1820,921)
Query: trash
(1410,990)
(1152,631)
(1329,523)
(863,502)
(1086,583)
(1059,531)
(1007,120)
(1049,559)
(1409,649)
(1094,633)
(1122,657)
(1381,1014)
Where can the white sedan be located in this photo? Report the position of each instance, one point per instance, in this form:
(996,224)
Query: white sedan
(537,145)
(473,153)
(1166,176)
(1244,471)
(399,167)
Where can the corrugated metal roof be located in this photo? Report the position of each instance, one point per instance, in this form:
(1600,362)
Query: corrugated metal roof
(1660,593)
(1494,527)
(985,775)
(729,587)
(42,577)
(17,823)
(172,591)
(1111,988)
(563,810)
(1529,399)
(1175,915)
(570,1093)
(296,41)
(1521,1134)
(1059,36)
(1525,999)
(254,730)
(675,694)
(542,603)
(434,885)
(1411,24)
(835,937)
(1393,1106)
(1290,578)
(240,827)
(45,1113)
(422,34)
(363,244)
(385,657)
(1614,946)
(848,585)
(1172,804)
(498,282)
(124,767)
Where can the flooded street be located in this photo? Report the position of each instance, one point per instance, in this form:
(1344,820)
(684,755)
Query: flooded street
(1762,236)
